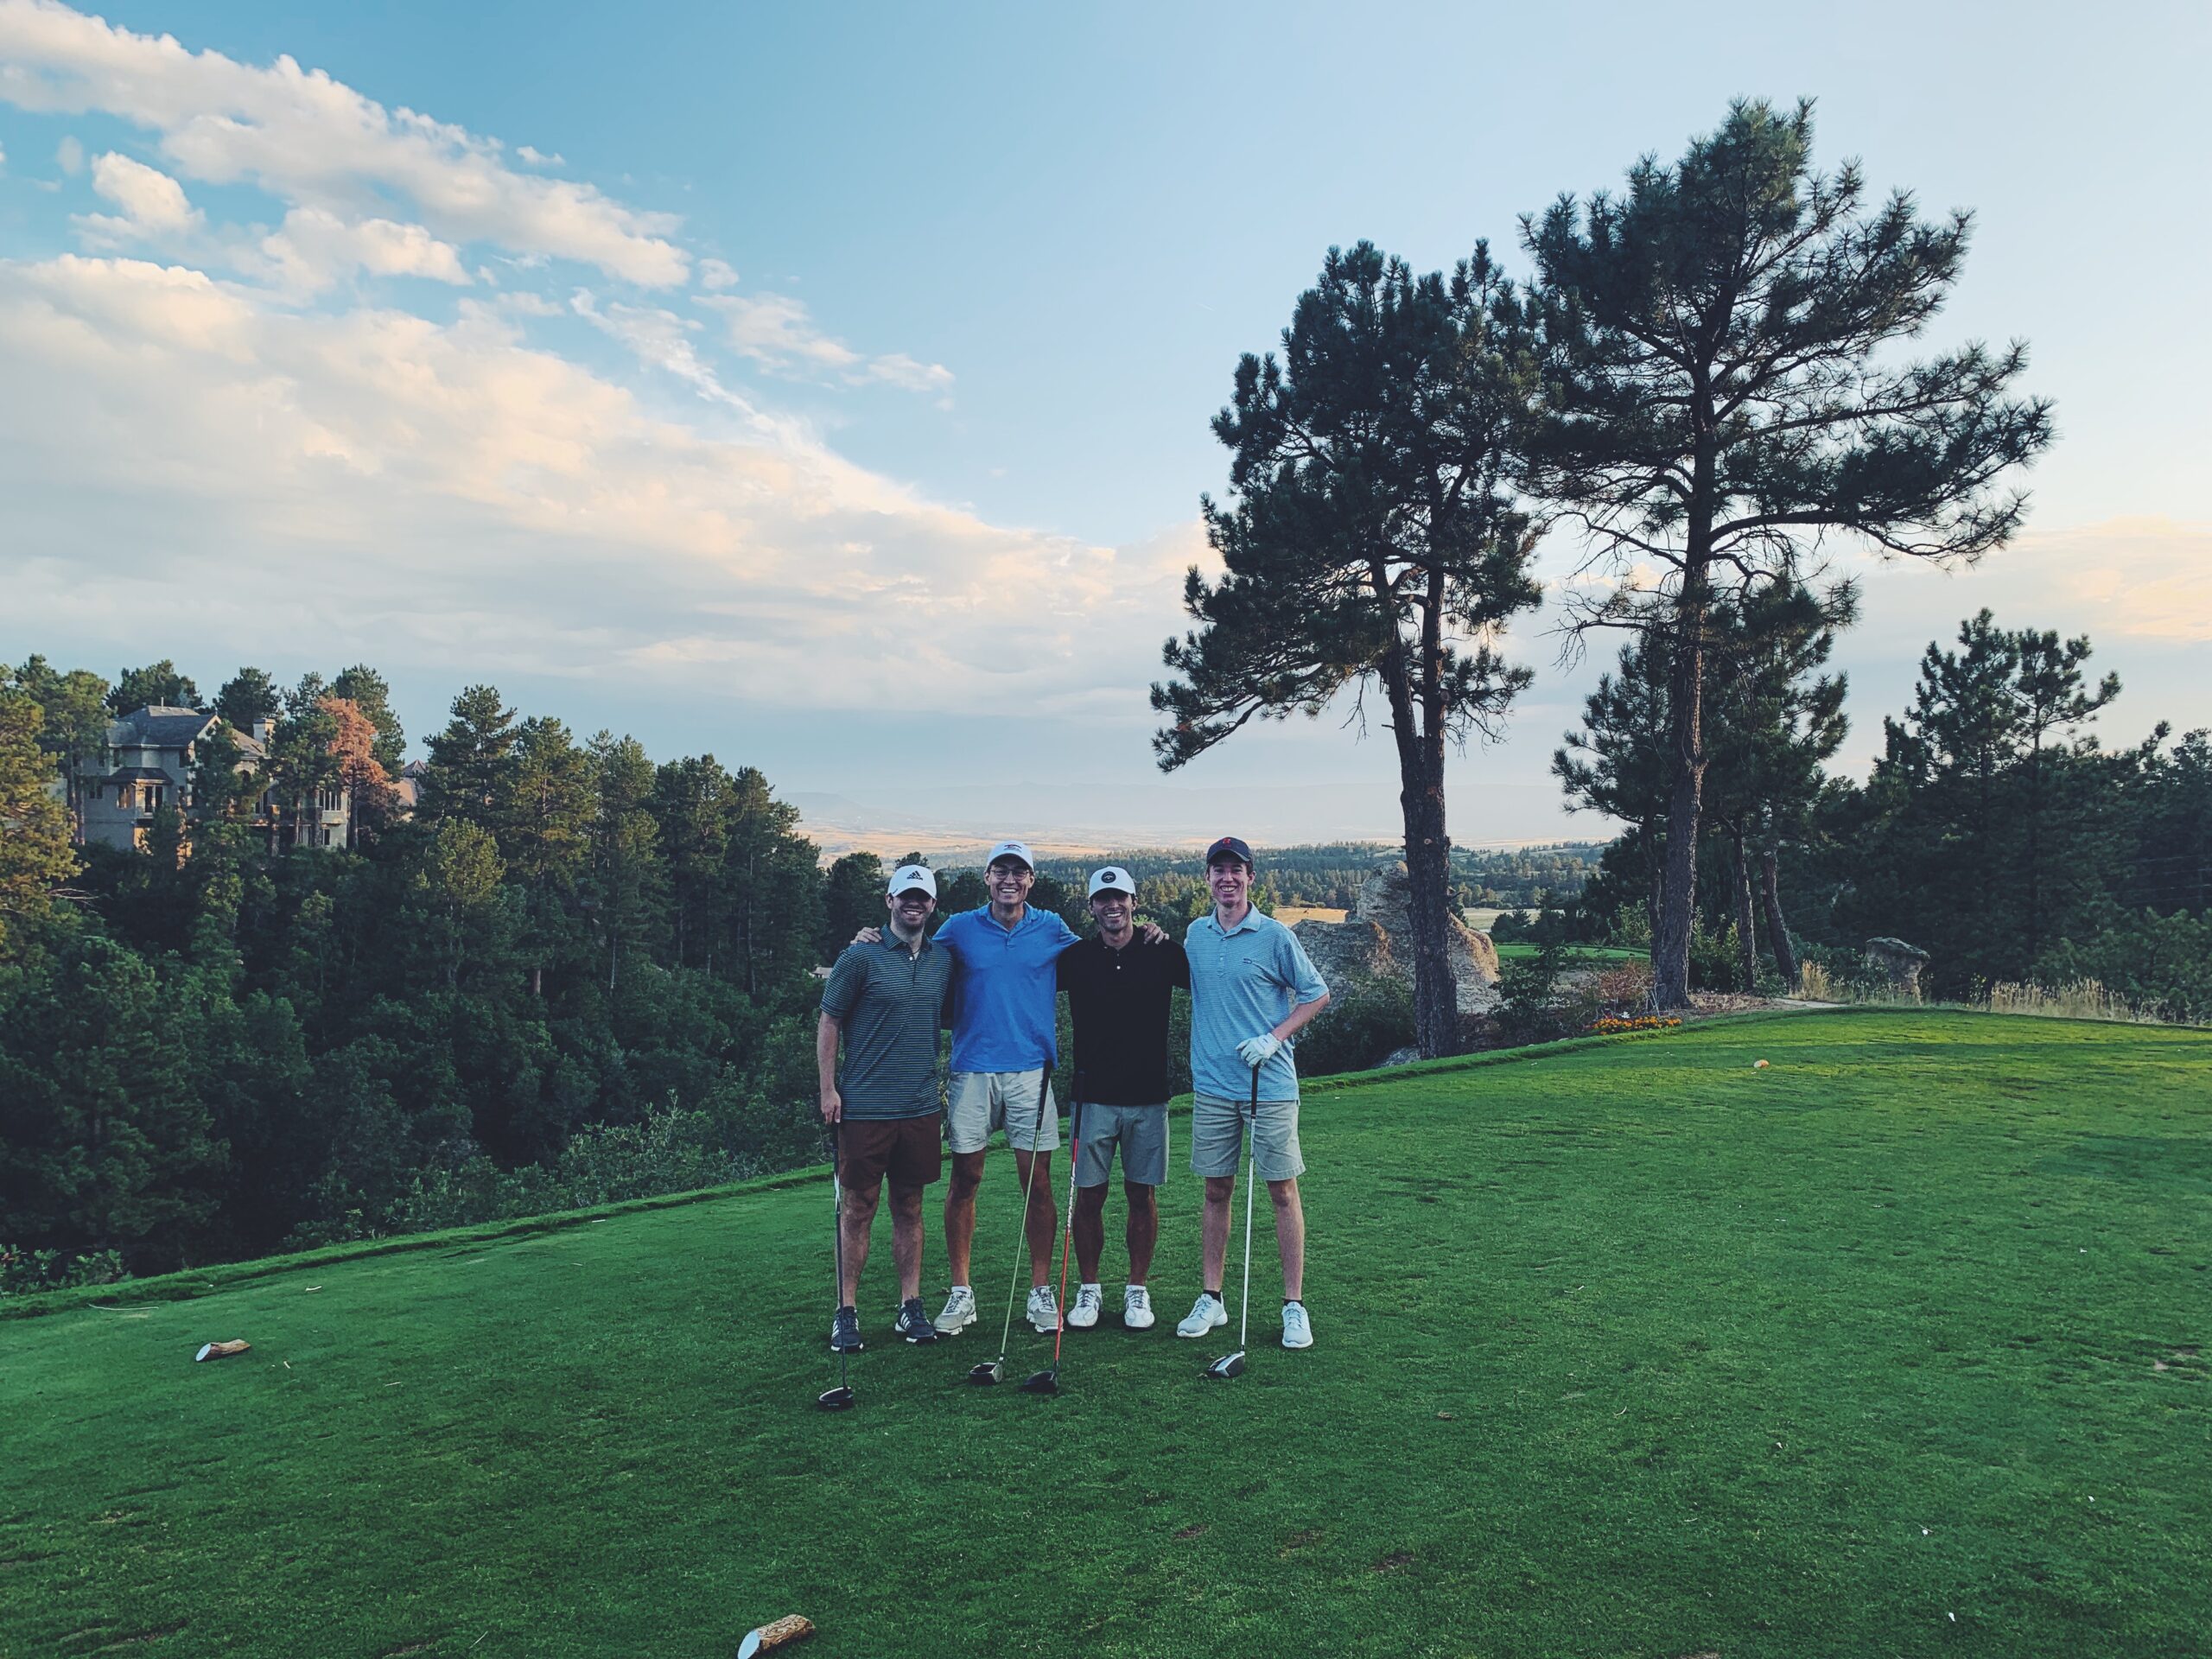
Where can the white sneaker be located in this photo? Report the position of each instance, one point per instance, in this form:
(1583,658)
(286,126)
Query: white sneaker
(1044,1314)
(1136,1307)
(959,1312)
(1297,1329)
(1089,1300)
(1206,1314)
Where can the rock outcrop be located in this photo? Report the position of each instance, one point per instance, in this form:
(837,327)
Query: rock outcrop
(1901,961)
(1376,940)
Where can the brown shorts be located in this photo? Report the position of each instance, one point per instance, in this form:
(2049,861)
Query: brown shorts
(909,1150)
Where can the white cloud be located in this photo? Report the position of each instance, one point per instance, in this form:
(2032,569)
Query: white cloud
(317,142)
(69,154)
(448,496)
(154,206)
(715,274)
(777,331)
(316,249)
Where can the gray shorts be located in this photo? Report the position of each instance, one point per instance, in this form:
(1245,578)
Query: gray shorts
(978,1102)
(1140,1131)
(1217,1138)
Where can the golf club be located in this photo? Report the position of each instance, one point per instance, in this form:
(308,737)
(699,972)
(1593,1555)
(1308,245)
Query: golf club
(1230,1365)
(841,1397)
(1049,1381)
(994,1371)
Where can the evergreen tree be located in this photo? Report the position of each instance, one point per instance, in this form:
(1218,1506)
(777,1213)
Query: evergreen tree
(366,689)
(1373,541)
(629,875)
(74,730)
(852,898)
(248,695)
(691,803)
(156,685)
(471,763)
(1720,395)
(34,855)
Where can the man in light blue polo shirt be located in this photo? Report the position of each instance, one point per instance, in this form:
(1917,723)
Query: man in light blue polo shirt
(1252,990)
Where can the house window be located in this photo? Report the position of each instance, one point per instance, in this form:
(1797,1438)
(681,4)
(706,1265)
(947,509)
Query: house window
(154,793)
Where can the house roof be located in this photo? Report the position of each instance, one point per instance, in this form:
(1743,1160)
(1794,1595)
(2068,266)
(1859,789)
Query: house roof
(139,775)
(159,726)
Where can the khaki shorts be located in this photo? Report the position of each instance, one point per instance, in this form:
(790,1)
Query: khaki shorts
(977,1103)
(1217,1138)
(1140,1131)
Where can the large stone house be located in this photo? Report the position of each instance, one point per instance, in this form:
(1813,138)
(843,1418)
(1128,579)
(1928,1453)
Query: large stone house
(153,759)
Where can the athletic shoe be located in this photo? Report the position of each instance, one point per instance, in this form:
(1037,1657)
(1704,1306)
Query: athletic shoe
(1043,1315)
(1136,1307)
(1089,1300)
(1297,1329)
(913,1322)
(1206,1314)
(845,1332)
(959,1312)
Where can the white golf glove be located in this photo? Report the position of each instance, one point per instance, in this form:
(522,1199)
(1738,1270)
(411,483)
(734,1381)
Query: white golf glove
(1258,1051)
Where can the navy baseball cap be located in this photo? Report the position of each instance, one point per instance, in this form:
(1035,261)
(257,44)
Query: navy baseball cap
(1232,848)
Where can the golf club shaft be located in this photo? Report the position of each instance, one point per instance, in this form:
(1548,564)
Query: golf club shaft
(1036,1127)
(1251,1180)
(1067,1229)
(837,1210)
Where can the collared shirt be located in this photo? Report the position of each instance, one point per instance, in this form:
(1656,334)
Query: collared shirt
(890,1003)
(1244,981)
(1003,1014)
(1119,1002)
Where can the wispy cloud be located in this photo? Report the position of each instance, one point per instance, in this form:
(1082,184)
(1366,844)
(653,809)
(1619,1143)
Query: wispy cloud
(316,142)
(779,333)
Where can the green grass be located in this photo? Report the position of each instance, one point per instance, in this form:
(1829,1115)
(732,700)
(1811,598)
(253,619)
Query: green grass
(1577,955)
(1624,1349)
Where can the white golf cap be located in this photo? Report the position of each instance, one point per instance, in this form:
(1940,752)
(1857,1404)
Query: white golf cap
(1012,850)
(907,877)
(1112,878)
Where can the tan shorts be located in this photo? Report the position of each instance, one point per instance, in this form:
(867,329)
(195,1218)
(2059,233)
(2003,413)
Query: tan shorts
(977,1103)
(1217,1131)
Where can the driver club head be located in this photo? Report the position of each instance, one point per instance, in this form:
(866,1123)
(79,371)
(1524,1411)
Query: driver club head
(985,1375)
(837,1398)
(1041,1382)
(1227,1366)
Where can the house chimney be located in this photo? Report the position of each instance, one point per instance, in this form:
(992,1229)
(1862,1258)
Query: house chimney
(264,728)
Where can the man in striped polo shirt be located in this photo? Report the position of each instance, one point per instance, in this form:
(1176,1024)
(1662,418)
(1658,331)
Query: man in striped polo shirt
(886,999)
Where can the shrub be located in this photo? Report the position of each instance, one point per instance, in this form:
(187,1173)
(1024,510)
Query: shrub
(23,1272)
(1374,1020)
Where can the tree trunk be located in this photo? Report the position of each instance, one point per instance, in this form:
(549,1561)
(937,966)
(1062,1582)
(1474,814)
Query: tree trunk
(1777,930)
(1670,941)
(1747,943)
(1428,873)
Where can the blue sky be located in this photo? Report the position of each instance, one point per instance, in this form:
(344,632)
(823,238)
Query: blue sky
(828,387)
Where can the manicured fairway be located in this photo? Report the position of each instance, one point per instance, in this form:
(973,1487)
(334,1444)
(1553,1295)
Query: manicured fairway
(1892,1349)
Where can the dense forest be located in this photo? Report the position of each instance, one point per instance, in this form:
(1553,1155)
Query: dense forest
(551,972)
(565,974)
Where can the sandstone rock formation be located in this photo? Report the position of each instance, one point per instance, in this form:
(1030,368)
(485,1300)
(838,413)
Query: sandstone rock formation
(1901,961)
(1377,939)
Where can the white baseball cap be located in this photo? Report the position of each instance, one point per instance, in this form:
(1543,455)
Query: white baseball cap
(907,877)
(1012,850)
(1112,878)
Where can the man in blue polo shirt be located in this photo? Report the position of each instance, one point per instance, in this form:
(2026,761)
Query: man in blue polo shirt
(1252,990)
(1004,1048)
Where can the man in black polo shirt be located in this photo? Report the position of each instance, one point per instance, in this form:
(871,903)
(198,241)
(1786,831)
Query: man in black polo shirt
(887,1001)
(1120,987)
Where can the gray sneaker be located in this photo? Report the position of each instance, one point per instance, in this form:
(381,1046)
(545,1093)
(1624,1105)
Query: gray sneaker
(1297,1329)
(1206,1314)
(1044,1314)
(959,1312)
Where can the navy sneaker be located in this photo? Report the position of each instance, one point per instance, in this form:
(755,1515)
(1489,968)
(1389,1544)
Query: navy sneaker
(845,1332)
(913,1322)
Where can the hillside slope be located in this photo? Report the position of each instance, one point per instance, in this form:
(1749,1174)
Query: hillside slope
(1632,1349)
